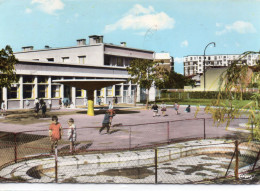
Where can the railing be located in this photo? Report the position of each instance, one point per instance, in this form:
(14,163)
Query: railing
(139,152)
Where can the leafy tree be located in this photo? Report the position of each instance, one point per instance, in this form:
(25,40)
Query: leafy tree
(143,72)
(232,85)
(7,64)
(171,79)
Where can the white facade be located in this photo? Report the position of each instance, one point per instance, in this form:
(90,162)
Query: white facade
(38,68)
(193,65)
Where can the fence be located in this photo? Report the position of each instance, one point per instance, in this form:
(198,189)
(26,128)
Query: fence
(25,156)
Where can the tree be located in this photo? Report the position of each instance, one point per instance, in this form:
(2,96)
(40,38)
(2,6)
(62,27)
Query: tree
(232,86)
(171,79)
(7,70)
(143,73)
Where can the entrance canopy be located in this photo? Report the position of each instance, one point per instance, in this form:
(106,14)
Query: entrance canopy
(90,84)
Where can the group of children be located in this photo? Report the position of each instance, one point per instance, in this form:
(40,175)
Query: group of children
(55,133)
(163,106)
(55,130)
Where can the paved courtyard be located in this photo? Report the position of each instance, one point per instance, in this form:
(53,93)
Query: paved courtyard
(132,127)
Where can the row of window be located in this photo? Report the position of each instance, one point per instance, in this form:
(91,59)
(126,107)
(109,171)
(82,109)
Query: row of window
(81,59)
(29,91)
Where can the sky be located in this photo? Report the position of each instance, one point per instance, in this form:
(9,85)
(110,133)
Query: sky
(180,27)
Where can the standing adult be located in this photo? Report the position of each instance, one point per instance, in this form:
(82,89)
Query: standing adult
(155,109)
(37,108)
(44,108)
(41,102)
(116,101)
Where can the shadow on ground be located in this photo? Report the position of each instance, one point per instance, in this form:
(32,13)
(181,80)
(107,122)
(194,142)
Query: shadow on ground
(101,112)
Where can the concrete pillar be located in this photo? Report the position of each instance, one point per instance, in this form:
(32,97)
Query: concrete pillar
(95,97)
(36,87)
(105,95)
(73,95)
(5,97)
(49,88)
(91,103)
(20,96)
(138,93)
(62,90)
(122,91)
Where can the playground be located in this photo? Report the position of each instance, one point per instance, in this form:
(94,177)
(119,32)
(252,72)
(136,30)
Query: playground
(127,154)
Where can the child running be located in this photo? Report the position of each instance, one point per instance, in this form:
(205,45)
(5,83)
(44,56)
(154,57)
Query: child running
(55,132)
(72,134)
(106,122)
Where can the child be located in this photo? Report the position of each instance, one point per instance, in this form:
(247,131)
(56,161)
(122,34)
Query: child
(163,108)
(55,132)
(188,109)
(155,109)
(106,122)
(176,107)
(72,134)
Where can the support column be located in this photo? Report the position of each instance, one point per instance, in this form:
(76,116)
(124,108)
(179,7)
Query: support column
(105,95)
(73,95)
(122,92)
(5,97)
(95,97)
(62,90)
(20,92)
(91,103)
(49,88)
(138,89)
(36,87)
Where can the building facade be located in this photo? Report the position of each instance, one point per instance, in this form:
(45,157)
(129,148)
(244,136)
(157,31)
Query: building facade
(37,70)
(193,65)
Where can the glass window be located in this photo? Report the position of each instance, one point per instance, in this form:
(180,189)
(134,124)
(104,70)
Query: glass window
(65,59)
(109,91)
(50,59)
(55,91)
(98,93)
(79,92)
(119,62)
(82,59)
(42,79)
(117,90)
(28,91)
(12,93)
(107,60)
(42,91)
(28,79)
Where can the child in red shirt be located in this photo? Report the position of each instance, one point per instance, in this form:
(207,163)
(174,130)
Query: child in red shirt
(55,132)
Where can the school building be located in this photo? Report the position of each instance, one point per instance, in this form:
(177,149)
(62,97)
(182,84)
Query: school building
(39,72)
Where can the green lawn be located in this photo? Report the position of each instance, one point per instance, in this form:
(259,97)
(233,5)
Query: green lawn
(202,102)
